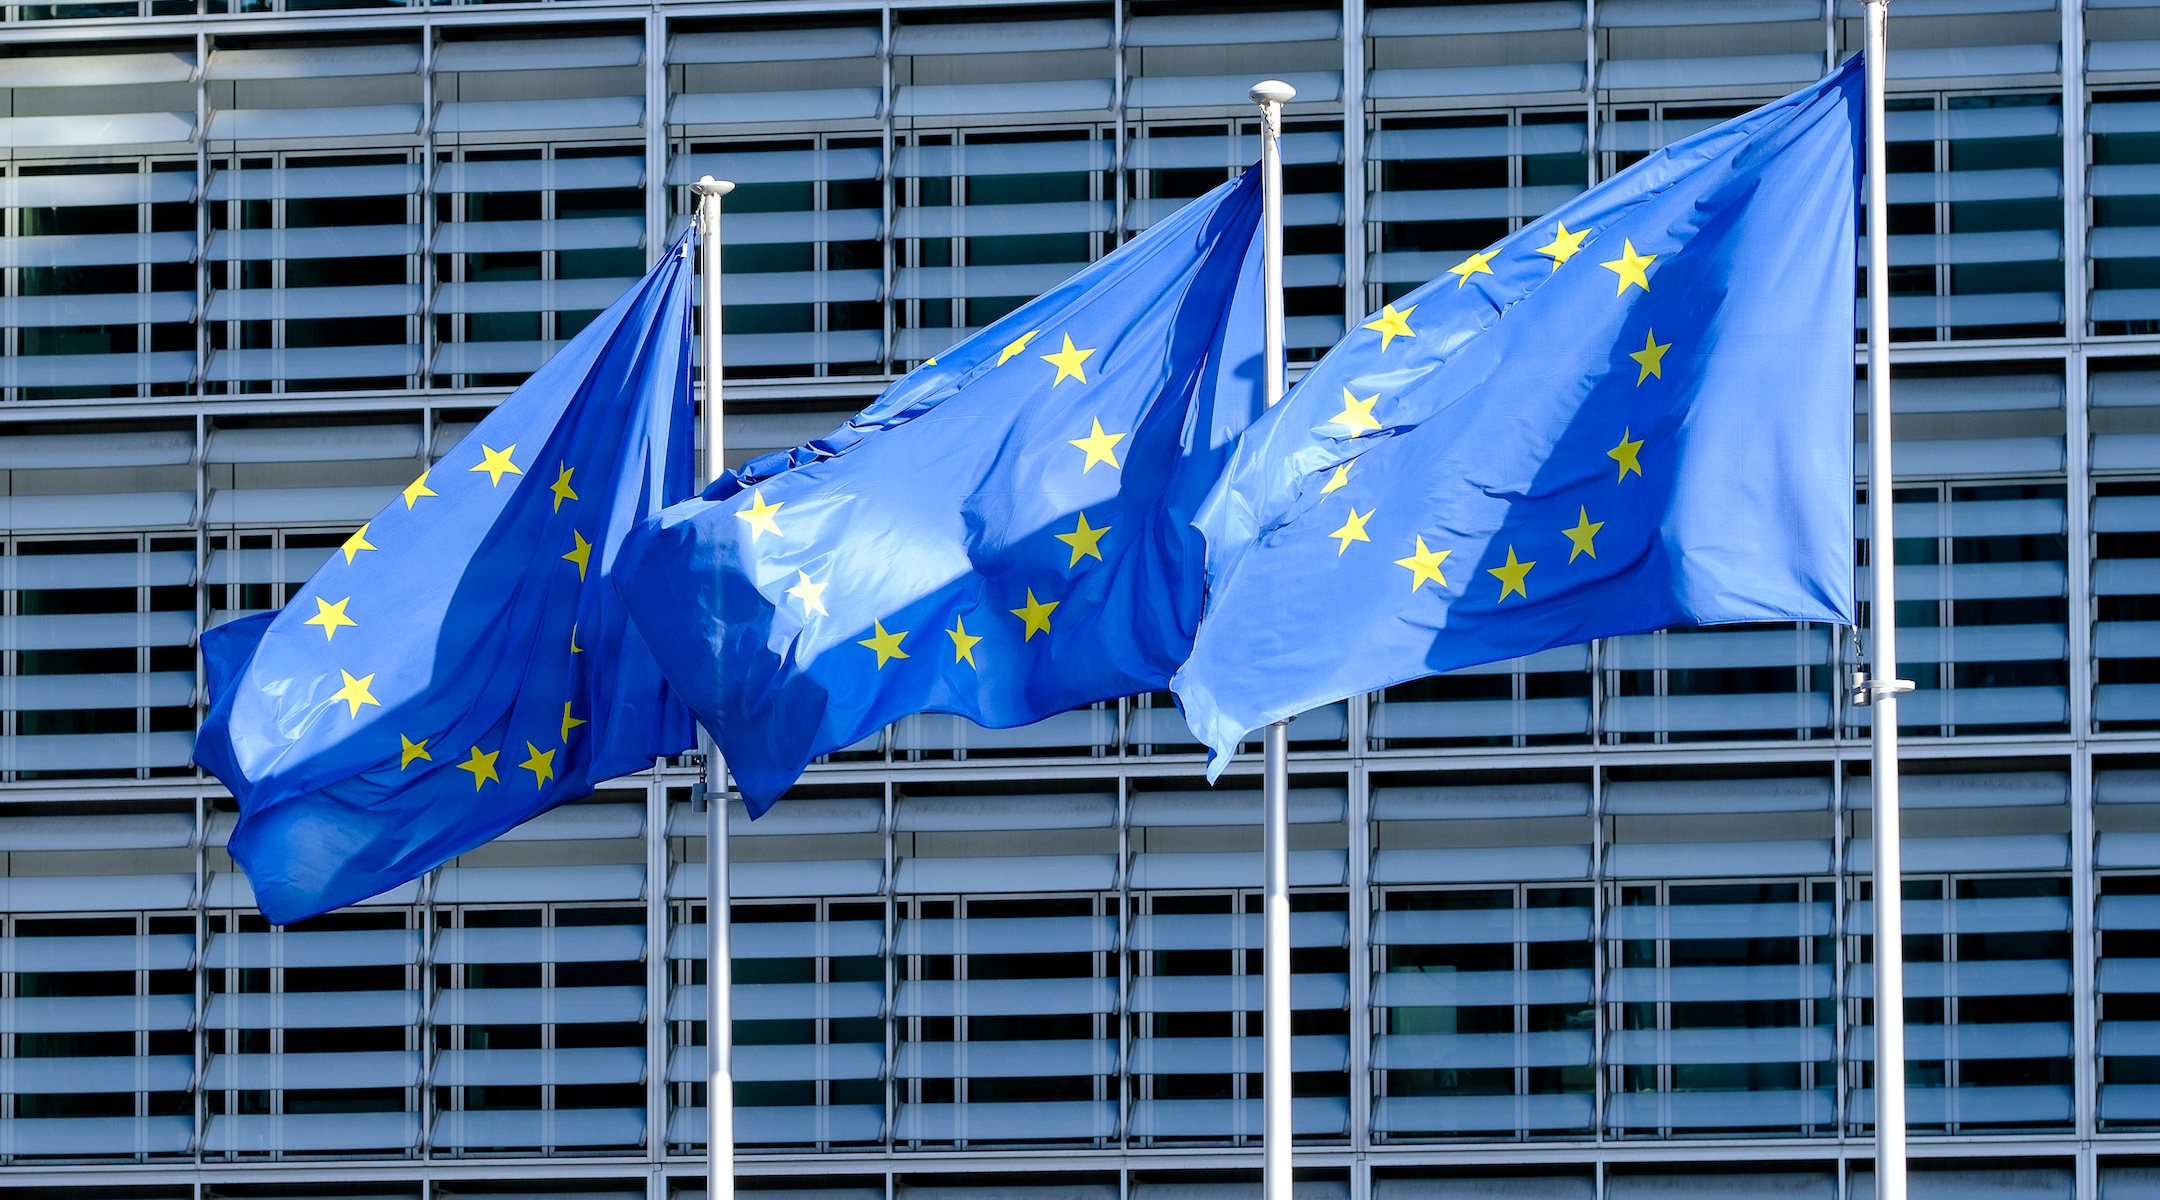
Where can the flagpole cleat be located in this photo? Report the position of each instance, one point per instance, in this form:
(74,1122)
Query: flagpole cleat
(701,796)
(1865,690)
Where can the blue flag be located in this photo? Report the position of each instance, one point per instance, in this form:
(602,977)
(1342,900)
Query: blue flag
(1004,535)
(1634,413)
(463,664)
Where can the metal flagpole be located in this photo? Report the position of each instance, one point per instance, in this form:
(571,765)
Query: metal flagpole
(1271,95)
(1880,689)
(719,1004)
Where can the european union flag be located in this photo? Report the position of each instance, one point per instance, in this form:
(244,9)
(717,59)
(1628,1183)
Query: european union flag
(1634,413)
(1004,535)
(463,663)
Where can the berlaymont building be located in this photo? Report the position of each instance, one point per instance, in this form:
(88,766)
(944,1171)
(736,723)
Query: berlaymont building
(1585,925)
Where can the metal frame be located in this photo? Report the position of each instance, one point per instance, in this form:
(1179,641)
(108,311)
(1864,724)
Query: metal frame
(2085,1146)
(1333,1154)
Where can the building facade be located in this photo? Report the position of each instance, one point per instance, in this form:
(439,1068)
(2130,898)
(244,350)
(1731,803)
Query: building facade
(1587,924)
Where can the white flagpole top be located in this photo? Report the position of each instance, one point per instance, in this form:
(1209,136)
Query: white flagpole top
(709,186)
(1272,91)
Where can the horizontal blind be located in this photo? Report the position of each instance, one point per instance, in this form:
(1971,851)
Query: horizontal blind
(1975,186)
(1981,608)
(2128,982)
(1483,1019)
(2126,529)
(531,242)
(1988,973)
(2123,180)
(1721,1007)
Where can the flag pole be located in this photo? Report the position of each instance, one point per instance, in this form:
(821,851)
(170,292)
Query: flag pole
(1880,687)
(1275,1124)
(719,1003)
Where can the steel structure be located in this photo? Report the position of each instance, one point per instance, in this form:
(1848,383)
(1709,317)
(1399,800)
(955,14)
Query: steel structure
(1587,924)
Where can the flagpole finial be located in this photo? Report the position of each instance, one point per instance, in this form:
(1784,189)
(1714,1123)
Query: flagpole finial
(708,186)
(1272,91)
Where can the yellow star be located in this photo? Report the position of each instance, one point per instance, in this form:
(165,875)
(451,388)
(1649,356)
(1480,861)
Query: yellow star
(1564,245)
(1341,479)
(1100,447)
(1068,361)
(1356,415)
(963,642)
(811,594)
(541,764)
(760,515)
(574,647)
(1036,614)
(356,543)
(1651,356)
(1424,565)
(355,692)
(497,463)
(561,487)
(886,644)
(568,722)
(482,767)
(1512,575)
(1629,267)
(1585,529)
(1392,324)
(1625,454)
(418,488)
(330,616)
(580,554)
(1016,346)
(1473,265)
(411,750)
(1353,530)
(1085,542)
(930,362)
